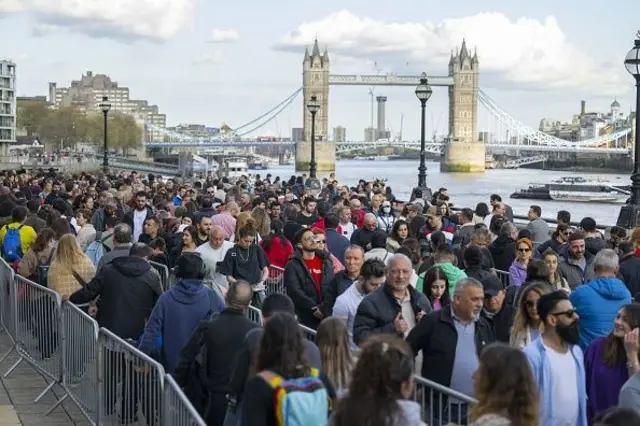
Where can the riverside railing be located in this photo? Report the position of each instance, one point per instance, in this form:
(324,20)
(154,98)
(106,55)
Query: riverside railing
(108,379)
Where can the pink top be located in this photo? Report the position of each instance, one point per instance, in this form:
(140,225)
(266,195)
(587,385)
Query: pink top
(436,305)
(226,222)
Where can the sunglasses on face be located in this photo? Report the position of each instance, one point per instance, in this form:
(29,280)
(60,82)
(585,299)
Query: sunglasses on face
(568,313)
(524,249)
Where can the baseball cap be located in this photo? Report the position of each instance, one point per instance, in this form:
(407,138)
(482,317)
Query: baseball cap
(491,285)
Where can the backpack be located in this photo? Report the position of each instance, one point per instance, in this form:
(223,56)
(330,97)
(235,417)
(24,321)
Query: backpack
(43,271)
(96,250)
(12,244)
(298,402)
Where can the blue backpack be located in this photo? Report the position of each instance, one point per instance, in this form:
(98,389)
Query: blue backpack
(96,250)
(298,402)
(12,244)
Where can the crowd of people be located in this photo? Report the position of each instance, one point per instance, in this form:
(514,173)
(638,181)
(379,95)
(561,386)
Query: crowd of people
(539,326)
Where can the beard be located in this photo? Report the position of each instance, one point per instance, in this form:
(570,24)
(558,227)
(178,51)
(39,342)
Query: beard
(569,333)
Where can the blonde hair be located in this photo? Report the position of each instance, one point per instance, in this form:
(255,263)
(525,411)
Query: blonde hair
(333,342)
(68,252)
(263,221)
(635,237)
(521,320)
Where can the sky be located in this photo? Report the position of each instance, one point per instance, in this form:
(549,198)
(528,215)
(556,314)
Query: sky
(212,62)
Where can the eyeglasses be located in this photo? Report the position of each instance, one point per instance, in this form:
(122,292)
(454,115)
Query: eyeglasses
(320,241)
(568,313)
(524,249)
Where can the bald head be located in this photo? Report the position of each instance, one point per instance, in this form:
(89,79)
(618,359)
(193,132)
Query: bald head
(399,260)
(239,295)
(370,221)
(216,236)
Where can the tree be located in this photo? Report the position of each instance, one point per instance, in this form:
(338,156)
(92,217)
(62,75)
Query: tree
(30,117)
(63,128)
(123,131)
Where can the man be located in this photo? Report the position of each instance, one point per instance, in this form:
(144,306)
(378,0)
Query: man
(308,216)
(151,231)
(498,314)
(307,275)
(137,217)
(600,299)
(213,253)
(178,312)
(207,209)
(378,247)
(33,220)
(396,307)
(336,244)
(100,216)
(342,280)
(499,209)
(241,367)
(508,211)
(274,210)
(503,248)
(16,238)
(222,338)
(203,225)
(227,219)
(435,223)
(593,240)
(121,245)
(362,236)
(386,218)
(347,227)
(557,363)
(537,226)
(462,236)
(576,265)
(372,276)
(451,341)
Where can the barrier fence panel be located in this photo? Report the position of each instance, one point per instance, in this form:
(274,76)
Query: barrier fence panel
(504,277)
(308,333)
(79,350)
(163,271)
(37,340)
(275,282)
(178,410)
(441,405)
(255,315)
(130,383)
(7,312)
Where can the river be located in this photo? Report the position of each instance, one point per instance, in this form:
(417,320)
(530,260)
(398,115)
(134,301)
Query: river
(466,190)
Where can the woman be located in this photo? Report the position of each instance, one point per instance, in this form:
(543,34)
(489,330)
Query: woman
(610,361)
(399,233)
(281,354)
(39,254)
(321,243)
(189,238)
(263,222)
(518,269)
(526,322)
(243,219)
(557,281)
(381,387)
(480,213)
(70,268)
(436,288)
(276,246)
(337,360)
(505,389)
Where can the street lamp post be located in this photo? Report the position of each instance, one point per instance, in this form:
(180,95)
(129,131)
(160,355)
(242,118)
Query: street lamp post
(105,106)
(313,183)
(423,93)
(629,213)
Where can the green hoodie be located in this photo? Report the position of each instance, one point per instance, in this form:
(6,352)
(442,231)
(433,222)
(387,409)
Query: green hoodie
(453,273)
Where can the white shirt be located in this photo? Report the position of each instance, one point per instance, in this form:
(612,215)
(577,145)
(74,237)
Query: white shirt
(346,307)
(211,257)
(347,230)
(564,388)
(138,223)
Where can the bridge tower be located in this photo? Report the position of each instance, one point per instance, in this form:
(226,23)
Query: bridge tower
(463,152)
(315,82)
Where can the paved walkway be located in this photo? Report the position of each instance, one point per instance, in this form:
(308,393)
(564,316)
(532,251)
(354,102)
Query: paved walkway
(18,391)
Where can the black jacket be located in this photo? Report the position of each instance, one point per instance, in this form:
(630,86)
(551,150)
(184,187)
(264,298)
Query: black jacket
(437,337)
(128,290)
(301,288)
(501,322)
(338,284)
(503,252)
(378,309)
(629,272)
(128,216)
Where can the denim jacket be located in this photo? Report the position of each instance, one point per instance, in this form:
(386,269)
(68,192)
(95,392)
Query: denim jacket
(536,353)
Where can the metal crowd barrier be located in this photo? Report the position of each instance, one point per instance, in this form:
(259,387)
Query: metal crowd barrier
(254,315)
(441,405)
(504,277)
(163,271)
(275,282)
(178,410)
(308,333)
(7,312)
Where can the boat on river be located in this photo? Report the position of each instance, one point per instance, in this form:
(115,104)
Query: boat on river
(575,189)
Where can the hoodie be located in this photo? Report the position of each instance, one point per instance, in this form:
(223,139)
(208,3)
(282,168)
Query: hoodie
(598,302)
(517,273)
(175,317)
(453,273)
(503,252)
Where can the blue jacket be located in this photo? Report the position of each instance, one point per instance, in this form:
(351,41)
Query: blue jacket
(336,244)
(536,353)
(175,316)
(598,302)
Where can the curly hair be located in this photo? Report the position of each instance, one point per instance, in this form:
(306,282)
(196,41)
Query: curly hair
(383,370)
(505,385)
(282,347)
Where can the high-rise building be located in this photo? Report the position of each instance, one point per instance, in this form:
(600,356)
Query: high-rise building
(7,103)
(370,134)
(86,94)
(339,134)
(382,118)
(297,134)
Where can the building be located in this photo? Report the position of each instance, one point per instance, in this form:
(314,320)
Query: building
(86,94)
(7,103)
(370,134)
(297,134)
(339,134)
(196,131)
(315,76)
(463,95)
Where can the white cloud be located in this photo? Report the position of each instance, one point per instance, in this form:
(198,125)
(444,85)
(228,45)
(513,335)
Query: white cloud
(219,35)
(214,57)
(150,19)
(522,53)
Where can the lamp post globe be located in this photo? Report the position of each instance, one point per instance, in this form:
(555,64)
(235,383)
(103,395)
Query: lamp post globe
(105,106)
(423,93)
(629,216)
(313,183)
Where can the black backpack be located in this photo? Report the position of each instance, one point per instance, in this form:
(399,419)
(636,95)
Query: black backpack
(42,271)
